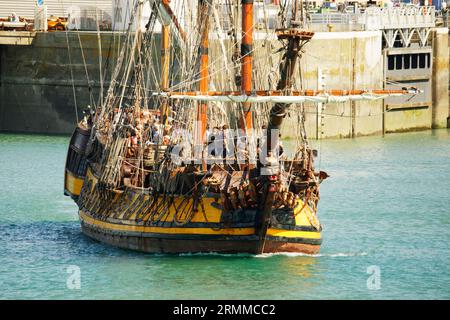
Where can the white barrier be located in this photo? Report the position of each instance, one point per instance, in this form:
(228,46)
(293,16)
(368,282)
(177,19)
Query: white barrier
(375,18)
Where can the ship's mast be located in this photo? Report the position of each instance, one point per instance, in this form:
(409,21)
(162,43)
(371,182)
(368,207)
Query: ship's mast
(165,65)
(203,22)
(247,59)
(294,37)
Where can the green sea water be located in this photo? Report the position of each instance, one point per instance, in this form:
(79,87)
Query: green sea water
(386,207)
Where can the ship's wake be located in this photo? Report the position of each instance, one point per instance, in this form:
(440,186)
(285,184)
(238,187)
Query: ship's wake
(317,255)
(269,255)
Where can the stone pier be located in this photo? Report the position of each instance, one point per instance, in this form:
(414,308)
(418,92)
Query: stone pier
(440,78)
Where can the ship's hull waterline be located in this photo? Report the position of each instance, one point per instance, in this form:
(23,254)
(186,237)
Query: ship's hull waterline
(179,243)
(133,219)
(194,241)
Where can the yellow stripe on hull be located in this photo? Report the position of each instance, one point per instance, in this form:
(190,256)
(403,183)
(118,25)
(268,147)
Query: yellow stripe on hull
(165,230)
(73,184)
(195,231)
(293,234)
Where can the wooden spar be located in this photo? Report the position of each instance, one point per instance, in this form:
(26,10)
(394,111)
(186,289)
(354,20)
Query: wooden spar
(277,93)
(165,65)
(203,19)
(165,57)
(166,5)
(247,58)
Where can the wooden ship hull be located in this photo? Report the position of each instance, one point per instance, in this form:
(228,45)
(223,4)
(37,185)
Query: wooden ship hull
(132,219)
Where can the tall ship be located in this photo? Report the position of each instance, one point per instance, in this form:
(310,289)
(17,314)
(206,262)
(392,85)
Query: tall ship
(183,152)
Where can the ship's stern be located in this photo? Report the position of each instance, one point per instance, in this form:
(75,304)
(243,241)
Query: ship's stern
(76,162)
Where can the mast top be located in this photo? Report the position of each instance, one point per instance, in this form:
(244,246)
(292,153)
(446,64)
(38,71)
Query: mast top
(287,33)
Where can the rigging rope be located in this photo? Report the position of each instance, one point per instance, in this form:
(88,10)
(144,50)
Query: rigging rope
(72,77)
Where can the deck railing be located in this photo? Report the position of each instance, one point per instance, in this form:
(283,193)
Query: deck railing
(399,17)
(375,18)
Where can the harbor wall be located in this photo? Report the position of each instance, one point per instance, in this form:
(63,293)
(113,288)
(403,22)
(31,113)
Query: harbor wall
(36,87)
(346,60)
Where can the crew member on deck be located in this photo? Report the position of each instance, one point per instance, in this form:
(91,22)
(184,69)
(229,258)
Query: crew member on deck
(14,17)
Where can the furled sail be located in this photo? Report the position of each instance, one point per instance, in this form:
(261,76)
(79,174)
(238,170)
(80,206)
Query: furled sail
(333,96)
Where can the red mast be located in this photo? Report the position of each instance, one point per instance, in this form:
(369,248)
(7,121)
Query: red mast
(247,58)
(165,65)
(203,19)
